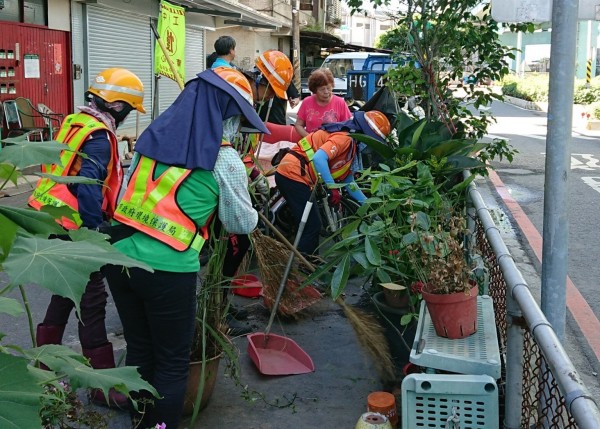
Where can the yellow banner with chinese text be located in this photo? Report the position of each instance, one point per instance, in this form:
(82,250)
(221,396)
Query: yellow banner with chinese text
(171,30)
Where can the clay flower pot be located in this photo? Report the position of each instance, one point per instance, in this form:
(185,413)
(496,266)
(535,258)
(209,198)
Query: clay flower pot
(453,315)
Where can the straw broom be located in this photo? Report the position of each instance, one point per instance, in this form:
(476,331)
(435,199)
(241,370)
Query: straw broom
(272,256)
(366,327)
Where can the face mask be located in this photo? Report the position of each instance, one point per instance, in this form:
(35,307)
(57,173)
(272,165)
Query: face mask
(231,127)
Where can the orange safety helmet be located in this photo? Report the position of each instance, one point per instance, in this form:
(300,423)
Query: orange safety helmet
(117,84)
(237,80)
(378,123)
(277,69)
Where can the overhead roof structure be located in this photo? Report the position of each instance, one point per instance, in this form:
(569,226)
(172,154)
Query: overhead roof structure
(334,43)
(232,13)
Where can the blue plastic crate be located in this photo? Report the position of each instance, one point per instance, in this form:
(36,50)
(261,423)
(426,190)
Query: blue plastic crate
(477,354)
(440,401)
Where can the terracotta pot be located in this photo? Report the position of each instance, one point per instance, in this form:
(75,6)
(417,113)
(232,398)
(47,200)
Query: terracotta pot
(453,315)
(193,384)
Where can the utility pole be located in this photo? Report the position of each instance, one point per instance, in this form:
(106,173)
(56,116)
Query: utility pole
(296,42)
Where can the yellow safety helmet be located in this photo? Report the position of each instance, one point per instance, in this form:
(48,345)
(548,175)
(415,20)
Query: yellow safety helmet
(237,80)
(117,84)
(277,69)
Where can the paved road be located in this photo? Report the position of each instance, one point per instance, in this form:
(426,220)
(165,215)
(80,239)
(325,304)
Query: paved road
(524,184)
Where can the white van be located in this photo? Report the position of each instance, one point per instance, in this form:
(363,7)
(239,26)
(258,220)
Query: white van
(340,64)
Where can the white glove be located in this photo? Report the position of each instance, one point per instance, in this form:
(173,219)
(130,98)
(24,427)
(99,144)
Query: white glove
(262,189)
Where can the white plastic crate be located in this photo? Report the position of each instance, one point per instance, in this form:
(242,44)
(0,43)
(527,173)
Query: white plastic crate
(440,401)
(477,354)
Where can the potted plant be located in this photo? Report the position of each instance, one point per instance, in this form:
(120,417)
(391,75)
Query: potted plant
(210,342)
(440,262)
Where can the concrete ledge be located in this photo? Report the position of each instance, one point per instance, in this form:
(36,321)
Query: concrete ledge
(529,105)
(593,124)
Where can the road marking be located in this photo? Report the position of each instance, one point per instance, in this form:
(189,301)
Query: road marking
(578,307)
(592,182)
(590,162)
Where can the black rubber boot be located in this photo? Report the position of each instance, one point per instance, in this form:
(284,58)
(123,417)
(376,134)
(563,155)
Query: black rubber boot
(49,334)
(102,358)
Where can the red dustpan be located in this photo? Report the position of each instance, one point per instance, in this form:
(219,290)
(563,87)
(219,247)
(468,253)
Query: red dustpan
(274,354)
(277,355)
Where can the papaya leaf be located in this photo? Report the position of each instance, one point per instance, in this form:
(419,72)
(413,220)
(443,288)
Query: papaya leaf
(23,153)
(10,306)
(65,361)
(61,212)
(8,173)
(32,221)
(19,394)
(9,232)
(340,277)
(71,179)
(63,267)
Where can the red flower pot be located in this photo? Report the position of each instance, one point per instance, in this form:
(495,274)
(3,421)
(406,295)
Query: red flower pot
(453,315)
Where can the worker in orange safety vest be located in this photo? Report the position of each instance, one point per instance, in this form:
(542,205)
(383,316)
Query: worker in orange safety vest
(112,95)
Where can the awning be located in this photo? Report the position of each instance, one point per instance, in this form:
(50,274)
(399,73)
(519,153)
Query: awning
(231,13)
(334,43)
(325,40)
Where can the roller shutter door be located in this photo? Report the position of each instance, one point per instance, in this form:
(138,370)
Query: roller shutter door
(117,39)
(168,89)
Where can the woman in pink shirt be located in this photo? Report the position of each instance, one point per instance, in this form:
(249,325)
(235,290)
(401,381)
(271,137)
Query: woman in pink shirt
(321,107)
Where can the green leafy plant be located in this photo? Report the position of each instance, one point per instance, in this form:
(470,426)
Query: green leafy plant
(62,267)
(61,409)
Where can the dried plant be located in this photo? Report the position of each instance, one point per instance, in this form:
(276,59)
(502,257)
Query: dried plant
(438,257)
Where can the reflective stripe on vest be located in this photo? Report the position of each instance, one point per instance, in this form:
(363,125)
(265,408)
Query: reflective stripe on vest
(74,131)
(337,173)
(149,206)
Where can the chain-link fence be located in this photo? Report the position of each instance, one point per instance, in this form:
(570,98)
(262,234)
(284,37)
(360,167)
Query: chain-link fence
(551,393)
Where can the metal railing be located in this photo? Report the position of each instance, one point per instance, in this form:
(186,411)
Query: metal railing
(540,387)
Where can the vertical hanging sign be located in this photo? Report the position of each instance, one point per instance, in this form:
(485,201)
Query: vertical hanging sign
(171,30)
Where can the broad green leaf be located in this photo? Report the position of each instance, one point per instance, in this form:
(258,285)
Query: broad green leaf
(340,277)
(381,148)
(60,212)
(422,221)
(9,232)
(63,360)
(405,319)
(383,276)
(8,173)
(10,306)
(409,238)
(71,179)
(63,267)
(32,221)
(361,258)
(417,134)
(19,394)
(372,252)
(23,154)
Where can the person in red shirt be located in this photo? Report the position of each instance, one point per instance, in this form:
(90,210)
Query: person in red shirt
(329,154)
(323,106)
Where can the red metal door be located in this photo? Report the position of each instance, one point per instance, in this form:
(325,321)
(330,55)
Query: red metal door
(35,63)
